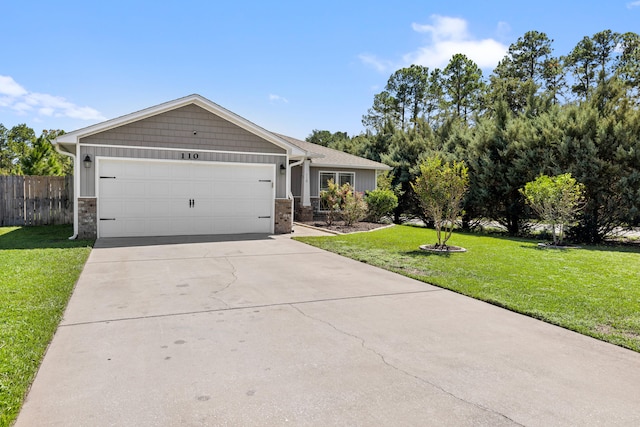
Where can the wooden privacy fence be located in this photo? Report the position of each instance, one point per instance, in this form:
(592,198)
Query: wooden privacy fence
(36,200)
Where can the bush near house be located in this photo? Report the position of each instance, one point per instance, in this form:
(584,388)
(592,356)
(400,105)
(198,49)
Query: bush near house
(354,208)
(381,203)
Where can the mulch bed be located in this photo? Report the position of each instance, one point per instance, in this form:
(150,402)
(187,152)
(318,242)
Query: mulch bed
(442,249)
(340,227)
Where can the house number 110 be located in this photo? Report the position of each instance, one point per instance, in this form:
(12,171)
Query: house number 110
(187,156)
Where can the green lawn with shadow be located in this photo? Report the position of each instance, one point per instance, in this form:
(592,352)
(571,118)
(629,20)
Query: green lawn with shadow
(594,290)
(39,267)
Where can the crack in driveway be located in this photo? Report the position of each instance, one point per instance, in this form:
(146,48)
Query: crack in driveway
(224,288)
(364,345)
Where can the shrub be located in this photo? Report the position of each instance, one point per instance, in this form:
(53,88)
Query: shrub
(381,203)
(354,208)
(332,199)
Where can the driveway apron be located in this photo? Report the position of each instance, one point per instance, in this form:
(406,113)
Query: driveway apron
(263,330)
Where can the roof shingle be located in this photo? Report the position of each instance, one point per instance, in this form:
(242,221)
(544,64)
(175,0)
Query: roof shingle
(324,156)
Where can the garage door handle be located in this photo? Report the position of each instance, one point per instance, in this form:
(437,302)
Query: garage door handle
(107,219)
(264,216)
(192,203)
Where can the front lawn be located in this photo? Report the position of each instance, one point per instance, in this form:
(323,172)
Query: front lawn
(594,290)
(38,268)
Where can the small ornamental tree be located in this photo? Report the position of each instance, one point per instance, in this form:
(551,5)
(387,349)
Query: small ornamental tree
(441,187)
(556,200)
(354,208)
(333,200)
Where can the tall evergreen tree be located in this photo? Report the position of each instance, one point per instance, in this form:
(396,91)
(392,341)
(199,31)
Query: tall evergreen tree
(463,86)
(523,70)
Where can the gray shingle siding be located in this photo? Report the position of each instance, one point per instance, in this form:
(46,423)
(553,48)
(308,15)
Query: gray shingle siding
(365,179)
(174,129)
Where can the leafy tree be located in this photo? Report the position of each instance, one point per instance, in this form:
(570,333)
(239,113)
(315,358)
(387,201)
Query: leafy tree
(592,61)
(440,187)
(402,101)
(627,66)
(433,98)
(498,169)
(381,113)
(6,155)
(554,78)
(462,83)
(600,149)
(605,44)
(556,200)
(404,151)
(42,159)
(325,137)
(523,70)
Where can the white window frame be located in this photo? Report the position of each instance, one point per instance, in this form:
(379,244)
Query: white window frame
(336,178)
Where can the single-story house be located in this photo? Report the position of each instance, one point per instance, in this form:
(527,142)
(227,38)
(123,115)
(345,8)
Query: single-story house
(190,166)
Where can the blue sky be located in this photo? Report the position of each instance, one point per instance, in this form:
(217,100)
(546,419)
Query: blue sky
(288,66)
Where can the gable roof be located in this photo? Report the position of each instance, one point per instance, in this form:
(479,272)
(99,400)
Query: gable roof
(328,157)
(297,149)
(72,138)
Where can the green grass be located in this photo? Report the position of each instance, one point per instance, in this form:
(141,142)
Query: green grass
(594,290)
(38,268)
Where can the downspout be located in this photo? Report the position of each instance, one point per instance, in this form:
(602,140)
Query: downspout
(76,188)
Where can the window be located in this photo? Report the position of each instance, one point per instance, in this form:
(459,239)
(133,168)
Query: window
(340,178)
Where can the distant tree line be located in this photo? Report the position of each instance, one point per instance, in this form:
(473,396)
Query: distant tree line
(24,153)
(535,114)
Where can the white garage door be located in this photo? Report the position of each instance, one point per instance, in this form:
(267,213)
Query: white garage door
(156,198)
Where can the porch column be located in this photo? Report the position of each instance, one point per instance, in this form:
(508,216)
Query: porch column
(306,185)
(305,209)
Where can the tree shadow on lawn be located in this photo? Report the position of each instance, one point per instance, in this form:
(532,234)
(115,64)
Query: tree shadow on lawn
(41,237)
(421,253)
(597,248)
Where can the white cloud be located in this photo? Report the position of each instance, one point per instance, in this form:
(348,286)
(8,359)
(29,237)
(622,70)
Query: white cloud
(633,4)
(446,36)
(372,60)
(277,98)
(449,36)
(9,87)
(15,97)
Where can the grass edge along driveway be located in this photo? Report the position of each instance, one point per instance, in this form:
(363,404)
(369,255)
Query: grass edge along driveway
(594,290)
(39,267)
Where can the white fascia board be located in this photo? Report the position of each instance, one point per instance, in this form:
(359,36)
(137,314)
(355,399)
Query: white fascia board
(74,137)
(333,165)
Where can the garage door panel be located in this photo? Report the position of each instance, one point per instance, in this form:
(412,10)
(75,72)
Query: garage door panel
(111,209)
(133,209)
(200,189)
(178,190)
(153,198)
(242,190)
(124,188)
(110,168)
(131,171)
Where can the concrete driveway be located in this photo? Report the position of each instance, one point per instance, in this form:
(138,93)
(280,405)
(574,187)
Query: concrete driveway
(259,330)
